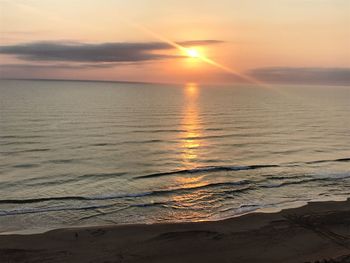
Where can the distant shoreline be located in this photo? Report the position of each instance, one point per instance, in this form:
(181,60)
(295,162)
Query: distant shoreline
(88,80)
(316,231)
(179,83)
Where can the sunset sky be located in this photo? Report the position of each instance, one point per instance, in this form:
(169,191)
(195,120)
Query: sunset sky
(139,40)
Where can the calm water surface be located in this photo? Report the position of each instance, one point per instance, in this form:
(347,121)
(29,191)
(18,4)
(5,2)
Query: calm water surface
(86,153)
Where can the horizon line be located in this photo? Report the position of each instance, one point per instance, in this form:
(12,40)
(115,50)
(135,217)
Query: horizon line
(169,83)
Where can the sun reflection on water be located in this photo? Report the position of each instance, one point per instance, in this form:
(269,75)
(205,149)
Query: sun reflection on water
(190,182)
(191,126)
(191,203)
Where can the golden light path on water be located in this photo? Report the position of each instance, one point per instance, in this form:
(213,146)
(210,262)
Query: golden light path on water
(190,148)
(191,125)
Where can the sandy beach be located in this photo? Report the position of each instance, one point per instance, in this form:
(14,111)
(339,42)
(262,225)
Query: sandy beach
(317,232)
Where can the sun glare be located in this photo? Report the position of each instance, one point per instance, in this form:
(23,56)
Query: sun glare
(193,53)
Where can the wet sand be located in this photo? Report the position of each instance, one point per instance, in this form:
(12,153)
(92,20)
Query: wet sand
(316,232)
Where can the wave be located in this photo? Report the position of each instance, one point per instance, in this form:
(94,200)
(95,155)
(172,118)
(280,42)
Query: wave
(229,168)
(69,208)
(160,131)
(43,199)
(59,179)
(286,177)
(18,143)
(207,169)
(20,136)
(174,130)
(222,136)
(62,161)
(26,165)
(14,152)
(225,189)
(144,141)
(119,196)
(101,175)
(347,159)
(48,209)
(251,185)
(307,180)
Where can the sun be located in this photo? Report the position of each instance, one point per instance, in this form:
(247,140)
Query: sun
(193,53)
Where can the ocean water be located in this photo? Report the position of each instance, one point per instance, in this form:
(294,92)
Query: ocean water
(86,153)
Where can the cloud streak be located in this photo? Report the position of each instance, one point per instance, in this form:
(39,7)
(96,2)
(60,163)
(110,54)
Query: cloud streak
(303,75)
(102,52)
(60,66)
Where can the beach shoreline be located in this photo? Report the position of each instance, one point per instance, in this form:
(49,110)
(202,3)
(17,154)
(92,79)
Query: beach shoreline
(316,231)
(259,210)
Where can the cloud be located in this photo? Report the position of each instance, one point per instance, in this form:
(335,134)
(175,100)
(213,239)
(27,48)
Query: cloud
(59,66)
(303,75)
(102,52)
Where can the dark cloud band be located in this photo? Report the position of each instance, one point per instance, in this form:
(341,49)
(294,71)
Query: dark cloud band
(103,52)
(312,75)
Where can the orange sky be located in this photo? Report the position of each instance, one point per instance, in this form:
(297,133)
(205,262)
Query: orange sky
(250,34)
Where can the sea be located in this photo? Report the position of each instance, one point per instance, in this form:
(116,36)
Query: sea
(83,153)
